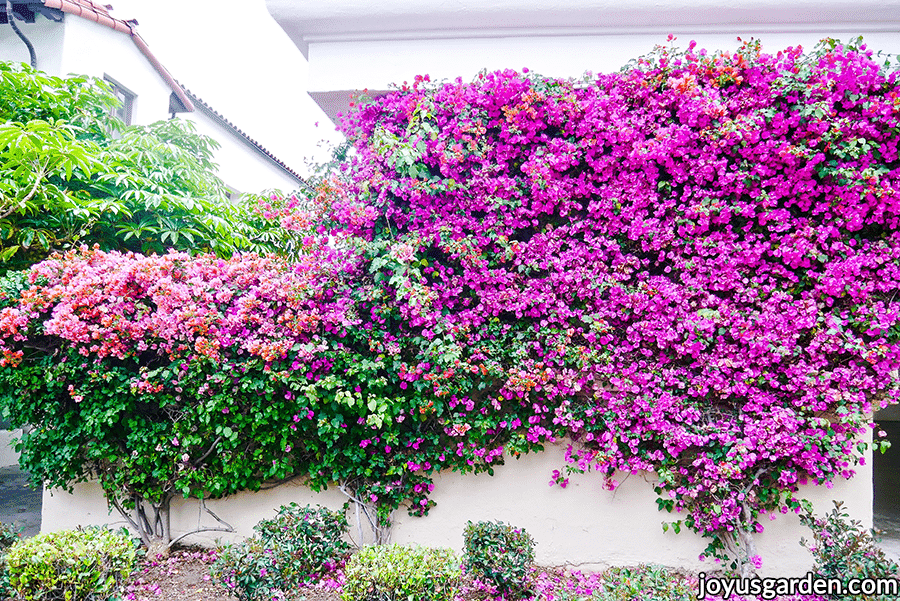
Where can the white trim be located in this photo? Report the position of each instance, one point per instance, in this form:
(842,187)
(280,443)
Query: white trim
(494,33)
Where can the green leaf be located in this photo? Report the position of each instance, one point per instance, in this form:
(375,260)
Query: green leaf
(8,253)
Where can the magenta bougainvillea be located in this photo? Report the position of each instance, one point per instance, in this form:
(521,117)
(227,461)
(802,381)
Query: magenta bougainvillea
(689,267)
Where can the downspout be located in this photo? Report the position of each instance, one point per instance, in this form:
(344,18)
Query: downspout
(12,21)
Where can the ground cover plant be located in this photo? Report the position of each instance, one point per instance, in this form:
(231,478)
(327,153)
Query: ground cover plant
(689,267)
(400,572)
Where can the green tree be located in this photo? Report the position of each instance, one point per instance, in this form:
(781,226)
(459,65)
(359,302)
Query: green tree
(71,174)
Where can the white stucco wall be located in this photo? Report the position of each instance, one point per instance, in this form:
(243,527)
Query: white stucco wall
(46,37)
(8,455)
(374,64)
(583,525)
(79,46)
(96,50)
(241,167)
(354,45)
(83,47)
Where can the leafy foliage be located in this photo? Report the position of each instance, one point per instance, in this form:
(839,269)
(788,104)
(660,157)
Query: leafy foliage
(298,546)
(314,536)
(8,535)
(500,554)
(399,573)
(645,582)
(76,565)
(27,94)
(843,550)
(249,571)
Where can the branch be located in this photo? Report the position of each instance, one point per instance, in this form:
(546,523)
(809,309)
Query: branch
(381,534)
(37,182)
(212,447)
(142,514)
(197,531)
(202,507)
(277,483)
(129,519)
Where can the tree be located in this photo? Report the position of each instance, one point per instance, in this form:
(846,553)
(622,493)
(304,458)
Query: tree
(70,174)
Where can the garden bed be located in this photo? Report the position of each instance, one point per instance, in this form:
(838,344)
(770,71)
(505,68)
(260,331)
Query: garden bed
(185,576)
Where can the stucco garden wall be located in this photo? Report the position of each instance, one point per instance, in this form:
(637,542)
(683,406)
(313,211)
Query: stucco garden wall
(8,455)
(584,525)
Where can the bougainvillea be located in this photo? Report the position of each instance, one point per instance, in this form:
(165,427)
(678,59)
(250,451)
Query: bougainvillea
(689,267)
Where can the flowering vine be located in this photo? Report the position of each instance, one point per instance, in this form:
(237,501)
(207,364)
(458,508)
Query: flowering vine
(689,267)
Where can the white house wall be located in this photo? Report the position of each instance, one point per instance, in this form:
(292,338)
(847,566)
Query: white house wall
(583,525)
(241,167)
(79,46)
(97,50)
(357,45)
(8,454)
(47,38)
(375,64)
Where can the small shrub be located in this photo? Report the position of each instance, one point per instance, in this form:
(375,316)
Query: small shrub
(8,535)
(311,537)
(644,582)
(249,570)
(843,549)
(500,554)
(87,564)
(400,573)
(298,546)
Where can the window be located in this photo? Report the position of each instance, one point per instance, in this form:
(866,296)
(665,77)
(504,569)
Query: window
(126,99)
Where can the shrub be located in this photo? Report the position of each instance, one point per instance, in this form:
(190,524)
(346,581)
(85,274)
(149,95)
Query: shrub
(843,549)
(85,564)
(395,572)
(8,535)
(310,537)
(500,554)
(249,570)
(297,546)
